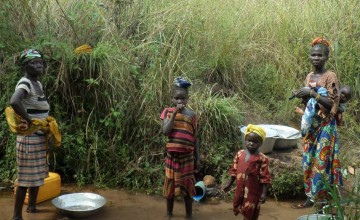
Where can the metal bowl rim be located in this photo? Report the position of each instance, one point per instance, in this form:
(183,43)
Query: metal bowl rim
(101,204)
(276,127)
(270,133)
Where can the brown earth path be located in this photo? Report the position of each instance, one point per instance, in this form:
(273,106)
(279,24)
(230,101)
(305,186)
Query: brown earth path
(122,205)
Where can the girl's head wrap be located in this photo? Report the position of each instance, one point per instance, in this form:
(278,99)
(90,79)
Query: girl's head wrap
(181,82)
(29,54)
(255,129)
(320,40)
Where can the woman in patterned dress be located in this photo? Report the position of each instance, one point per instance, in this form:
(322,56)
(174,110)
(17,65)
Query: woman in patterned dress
(29,102)
(321,162)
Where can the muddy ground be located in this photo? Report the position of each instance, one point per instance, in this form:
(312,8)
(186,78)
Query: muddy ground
(137,206)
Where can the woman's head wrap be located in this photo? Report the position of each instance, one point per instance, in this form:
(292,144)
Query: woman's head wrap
(181,82)
(320,40)
(255,129)
(29,54)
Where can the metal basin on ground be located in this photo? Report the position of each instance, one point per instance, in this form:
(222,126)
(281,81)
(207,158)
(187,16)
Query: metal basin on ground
(268,144)
(79,205)
(317,217)
(288,137)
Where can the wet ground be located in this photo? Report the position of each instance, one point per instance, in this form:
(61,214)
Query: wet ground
(137,206)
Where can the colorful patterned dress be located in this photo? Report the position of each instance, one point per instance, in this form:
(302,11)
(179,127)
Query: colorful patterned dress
(179,170)
(321,162)
(31,149)
(250,176)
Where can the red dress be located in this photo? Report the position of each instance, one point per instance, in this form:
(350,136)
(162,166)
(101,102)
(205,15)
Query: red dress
(250,176)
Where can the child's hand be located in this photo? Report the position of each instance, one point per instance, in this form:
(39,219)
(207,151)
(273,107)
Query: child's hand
(198,166)
(179,107)
(236,211)
(299,111)
(227,187)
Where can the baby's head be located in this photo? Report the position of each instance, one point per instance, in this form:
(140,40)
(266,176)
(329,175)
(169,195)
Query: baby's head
(345,94)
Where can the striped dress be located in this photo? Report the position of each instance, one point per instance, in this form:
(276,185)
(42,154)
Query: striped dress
(179,170)
(31,149)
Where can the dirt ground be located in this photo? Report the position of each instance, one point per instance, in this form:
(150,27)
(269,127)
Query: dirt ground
(128,206)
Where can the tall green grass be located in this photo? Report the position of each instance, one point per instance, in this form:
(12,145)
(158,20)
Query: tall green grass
(108,102)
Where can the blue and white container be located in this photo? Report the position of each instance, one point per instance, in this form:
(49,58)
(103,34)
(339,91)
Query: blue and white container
(200,191)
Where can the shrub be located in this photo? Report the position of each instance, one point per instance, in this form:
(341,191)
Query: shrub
(287,182)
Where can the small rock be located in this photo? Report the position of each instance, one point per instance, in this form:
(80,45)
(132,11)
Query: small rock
(209,181)
(351,170)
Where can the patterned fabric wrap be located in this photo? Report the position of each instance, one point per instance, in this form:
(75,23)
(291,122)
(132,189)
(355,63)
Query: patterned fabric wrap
(182,136)
(31,160)
(321,162)
(28,55)
(310,110)
(47,125)
(320,40)
(179,175)
(250,175)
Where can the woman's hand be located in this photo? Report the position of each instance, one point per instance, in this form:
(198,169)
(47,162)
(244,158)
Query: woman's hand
(303,92)
(24,125)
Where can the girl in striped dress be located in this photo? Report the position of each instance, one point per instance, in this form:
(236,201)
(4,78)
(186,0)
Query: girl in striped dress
(29,102)
(179,124)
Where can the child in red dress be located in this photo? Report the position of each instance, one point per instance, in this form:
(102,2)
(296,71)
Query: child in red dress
(250,168)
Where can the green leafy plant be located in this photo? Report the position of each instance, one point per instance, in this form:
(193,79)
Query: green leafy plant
(343,203)
(287,183)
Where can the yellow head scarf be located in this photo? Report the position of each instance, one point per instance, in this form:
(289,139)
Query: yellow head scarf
(255,129)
